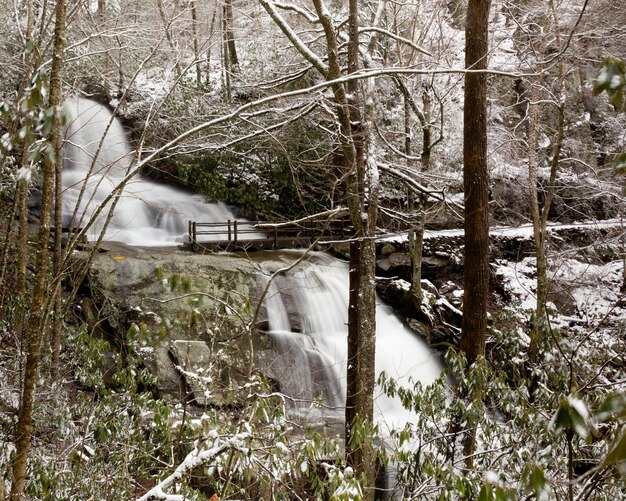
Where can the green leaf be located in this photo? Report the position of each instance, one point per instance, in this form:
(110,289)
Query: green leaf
(614,406)
(573,416)
(611,79)
(48,153)
(538,482)
(617,451)
(486,493)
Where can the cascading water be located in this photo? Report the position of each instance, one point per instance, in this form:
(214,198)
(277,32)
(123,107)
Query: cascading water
(307,310)
(97,156)
(307,307)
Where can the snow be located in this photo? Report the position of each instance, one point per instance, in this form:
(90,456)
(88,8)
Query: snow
(519,279)
(603,77)
(616,82)
(524,231)
(24,173)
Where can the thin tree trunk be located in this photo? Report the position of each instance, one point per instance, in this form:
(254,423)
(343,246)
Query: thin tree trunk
(168,35)
(24,424)
(416,244)
(476,185)
(362,311)
(363,214)
(21,195)
(57,261)
(540,217)
(196,52)
(22,238)
(426,128)
(226,61)
(6,251)
(210,44)
(407,125)
(230,36)
(535,212)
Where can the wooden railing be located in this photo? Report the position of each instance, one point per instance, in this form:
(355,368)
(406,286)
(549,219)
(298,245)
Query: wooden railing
(260,235)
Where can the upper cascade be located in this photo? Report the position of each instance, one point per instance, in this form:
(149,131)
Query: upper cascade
(97,157)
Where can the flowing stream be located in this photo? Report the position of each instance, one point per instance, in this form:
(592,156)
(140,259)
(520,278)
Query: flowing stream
(307,307)
(97,157)
(307,311)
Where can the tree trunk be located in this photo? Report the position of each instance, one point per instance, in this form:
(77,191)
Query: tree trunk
(535,212)
(407,126)
(196,52)
(426,128)
(362,307)
(37,316)
(416,244)
(229,36)
(102,11)
(362,206)
(57,261)
(540,217)
(168,35)
(475,183)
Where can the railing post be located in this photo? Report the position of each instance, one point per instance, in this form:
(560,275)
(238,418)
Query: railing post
(229,230)
(194,232)
(235,225)
(275,238)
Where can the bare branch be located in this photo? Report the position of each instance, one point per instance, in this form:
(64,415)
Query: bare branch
(399,38)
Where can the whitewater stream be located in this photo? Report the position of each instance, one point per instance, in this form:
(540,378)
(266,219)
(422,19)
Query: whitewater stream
(307,308)
(97,157)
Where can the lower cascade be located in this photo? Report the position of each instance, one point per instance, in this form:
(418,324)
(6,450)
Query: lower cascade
(306,308)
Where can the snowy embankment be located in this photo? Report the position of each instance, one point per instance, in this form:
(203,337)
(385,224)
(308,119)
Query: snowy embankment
(586,274)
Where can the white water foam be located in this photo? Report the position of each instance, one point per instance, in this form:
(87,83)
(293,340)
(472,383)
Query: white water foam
(97,155)
(307,311)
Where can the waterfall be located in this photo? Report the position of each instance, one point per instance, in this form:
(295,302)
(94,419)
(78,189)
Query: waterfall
(97,156)
(307,311)
(307,308)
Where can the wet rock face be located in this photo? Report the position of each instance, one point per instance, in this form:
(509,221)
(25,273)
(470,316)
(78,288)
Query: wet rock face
(190,318)
(179,312)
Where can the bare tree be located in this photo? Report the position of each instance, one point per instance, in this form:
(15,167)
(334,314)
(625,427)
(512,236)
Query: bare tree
(476,187)
(476,182)
(37,314)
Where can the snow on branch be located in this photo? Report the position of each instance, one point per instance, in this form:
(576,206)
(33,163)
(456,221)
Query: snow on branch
(194,459)
(309,16)
(308,54)
(438,195)
(319,87)
(399,38)
(339,211)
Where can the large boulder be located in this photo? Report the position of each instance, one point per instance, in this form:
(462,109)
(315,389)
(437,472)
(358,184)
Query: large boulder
(181,313)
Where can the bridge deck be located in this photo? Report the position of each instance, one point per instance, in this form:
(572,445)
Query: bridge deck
(250,236)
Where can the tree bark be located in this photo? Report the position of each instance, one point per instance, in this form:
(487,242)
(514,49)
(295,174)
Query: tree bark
(361,195)
(475,183)
(540,216)
(34,335)
(57,262)
(196,52)
(362,306)
(229,36)
(535,212)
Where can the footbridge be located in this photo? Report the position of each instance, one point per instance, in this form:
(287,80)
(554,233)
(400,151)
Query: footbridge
(252,236)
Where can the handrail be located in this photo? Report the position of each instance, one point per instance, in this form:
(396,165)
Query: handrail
(238,231)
